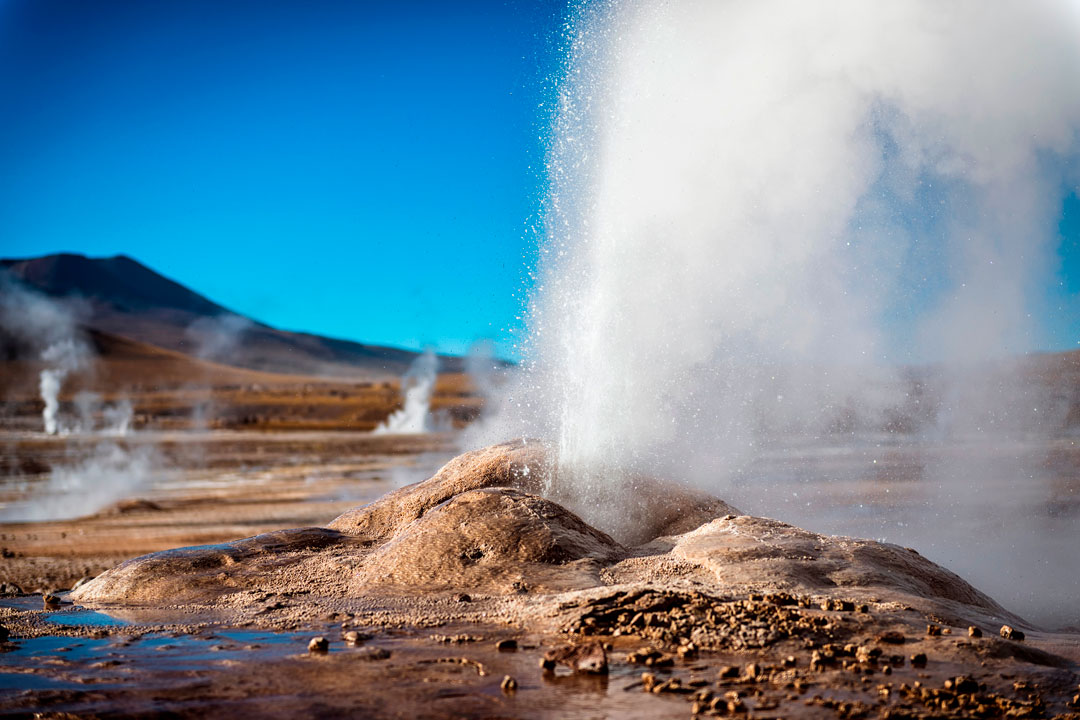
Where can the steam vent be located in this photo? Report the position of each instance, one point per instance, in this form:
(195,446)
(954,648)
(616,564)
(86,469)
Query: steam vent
(481,525)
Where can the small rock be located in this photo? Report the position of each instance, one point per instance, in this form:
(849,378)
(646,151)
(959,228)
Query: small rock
(462,597)
(891,638)
(354,637)
(648,680)
(508,685)
(1010,633)
(933,630)
(790,661)
(318,645)
(974,631)
(918,659)
(506,645)
(51,601)
(729,672)
(687,652)
(585,658)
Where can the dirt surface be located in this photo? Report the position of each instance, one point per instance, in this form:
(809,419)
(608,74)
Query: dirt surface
(203,488)
(469,594)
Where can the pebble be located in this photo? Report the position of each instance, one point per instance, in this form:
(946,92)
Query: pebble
(974,631)
(52,601)
(355,638)
(918,659)
(1010,633)
(585,658)
(506,645)
(891,638)
(508,685)
(462,597)
(318,645)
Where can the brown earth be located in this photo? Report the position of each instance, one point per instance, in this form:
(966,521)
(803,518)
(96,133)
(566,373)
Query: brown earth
(172,391)
(456,583)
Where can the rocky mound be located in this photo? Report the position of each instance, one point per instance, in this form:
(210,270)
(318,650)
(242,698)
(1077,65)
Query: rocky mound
(480,525)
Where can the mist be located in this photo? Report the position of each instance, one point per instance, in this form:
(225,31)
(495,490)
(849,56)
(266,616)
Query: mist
(776,224)
(95,470)
(417,386)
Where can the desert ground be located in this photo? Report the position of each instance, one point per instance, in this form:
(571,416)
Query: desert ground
(446,587)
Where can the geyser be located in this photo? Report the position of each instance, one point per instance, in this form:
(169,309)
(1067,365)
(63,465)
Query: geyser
(759,211)
(767,222)
(417,385)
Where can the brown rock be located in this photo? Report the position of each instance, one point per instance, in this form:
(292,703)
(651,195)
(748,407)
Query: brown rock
(508,685)
(318,645)
(354,637)
(974,632)
(585,658)
(1010,633)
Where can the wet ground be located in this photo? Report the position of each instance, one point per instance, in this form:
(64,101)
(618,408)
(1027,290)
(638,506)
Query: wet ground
(216,487)
(1002,513)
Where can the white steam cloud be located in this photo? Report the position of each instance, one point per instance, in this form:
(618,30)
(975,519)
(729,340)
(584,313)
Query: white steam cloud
(35,327)
(760,210)
(217,338)
(107,474)
(417,385)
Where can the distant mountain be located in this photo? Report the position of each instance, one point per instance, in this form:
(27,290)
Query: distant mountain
(124,297)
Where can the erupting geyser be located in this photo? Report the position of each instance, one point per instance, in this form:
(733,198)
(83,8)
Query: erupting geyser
(417,385)
(760,211)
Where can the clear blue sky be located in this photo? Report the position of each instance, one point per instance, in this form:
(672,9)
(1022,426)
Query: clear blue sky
(357,169)
(362,170)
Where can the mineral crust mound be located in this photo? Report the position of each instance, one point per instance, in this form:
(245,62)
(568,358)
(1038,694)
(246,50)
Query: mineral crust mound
(482,525)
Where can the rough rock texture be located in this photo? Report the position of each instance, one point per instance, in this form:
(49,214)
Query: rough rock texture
(792,559)
(479,525)
(499,539)
(517,465)
(205,572)
(663,508)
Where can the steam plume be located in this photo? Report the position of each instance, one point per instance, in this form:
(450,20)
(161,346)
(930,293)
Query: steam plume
(746,194)
(64,357)
(417,385)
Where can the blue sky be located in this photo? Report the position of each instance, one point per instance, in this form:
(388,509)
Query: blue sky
(357,169)
(371,171)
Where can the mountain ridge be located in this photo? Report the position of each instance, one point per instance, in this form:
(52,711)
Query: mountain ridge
(124,297)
